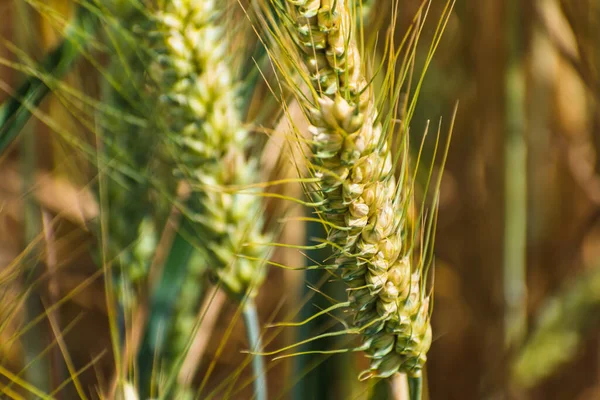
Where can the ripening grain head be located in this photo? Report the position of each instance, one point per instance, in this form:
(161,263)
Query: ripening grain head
(362,202)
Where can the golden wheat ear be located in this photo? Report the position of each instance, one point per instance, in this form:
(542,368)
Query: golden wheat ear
(365,208)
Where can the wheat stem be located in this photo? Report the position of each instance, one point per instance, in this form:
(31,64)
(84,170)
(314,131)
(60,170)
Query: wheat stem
(254,339)
(515,187)
(208,315)
(163,302)
(415,387)
(34,341)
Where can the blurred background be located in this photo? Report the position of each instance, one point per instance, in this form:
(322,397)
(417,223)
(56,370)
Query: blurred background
(517,278)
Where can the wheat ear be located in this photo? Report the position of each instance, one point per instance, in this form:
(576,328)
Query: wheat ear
(198,103)
(133,226)
(362,203)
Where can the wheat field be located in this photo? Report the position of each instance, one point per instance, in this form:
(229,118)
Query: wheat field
(299,199)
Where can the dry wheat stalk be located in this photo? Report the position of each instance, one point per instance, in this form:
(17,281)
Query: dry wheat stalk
(362,200)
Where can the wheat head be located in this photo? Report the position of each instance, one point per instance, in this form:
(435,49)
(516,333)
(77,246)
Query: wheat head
(361,199)
(198,102)
(129,148)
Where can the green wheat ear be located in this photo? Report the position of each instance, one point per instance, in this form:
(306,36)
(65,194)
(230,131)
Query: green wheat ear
(197,104)
(363,205)
(134,218)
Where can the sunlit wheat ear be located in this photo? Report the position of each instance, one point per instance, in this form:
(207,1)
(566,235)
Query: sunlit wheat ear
(364,207)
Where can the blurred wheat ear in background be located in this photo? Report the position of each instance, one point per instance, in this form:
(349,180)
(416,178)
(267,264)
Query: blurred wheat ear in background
(273,199)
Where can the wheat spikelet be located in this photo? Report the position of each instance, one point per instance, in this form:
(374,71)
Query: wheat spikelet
(362,200)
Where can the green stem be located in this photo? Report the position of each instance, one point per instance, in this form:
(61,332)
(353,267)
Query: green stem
(34,341)
(162,303)
(380,390)
(254,339)
(515,187)
(316,375)
(16,111)
(415,387)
